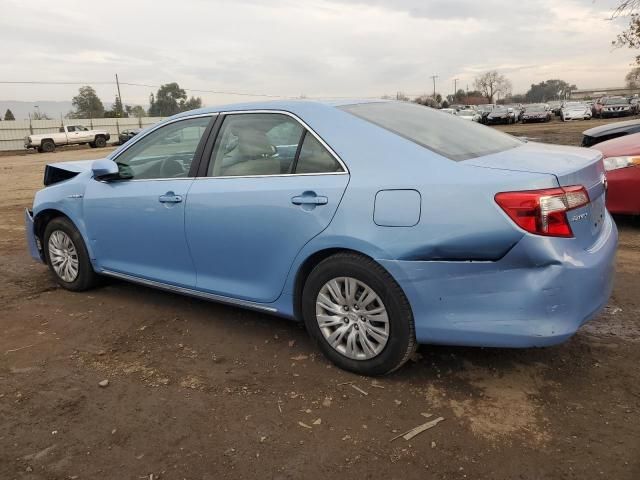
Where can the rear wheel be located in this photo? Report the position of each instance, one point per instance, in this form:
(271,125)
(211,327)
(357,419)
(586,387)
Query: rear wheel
(67,256)
(47,146)
(100,141)
(358,315)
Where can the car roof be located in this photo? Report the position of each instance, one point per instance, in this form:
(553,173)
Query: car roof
(290,105)
(625,145)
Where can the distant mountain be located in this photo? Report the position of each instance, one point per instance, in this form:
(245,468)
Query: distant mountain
(21,110)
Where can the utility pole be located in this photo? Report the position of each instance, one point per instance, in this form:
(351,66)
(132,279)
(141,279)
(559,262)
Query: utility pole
(119,96)
(433,77)
(455,87)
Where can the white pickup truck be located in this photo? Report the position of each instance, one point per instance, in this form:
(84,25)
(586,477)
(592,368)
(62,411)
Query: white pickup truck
(67,135)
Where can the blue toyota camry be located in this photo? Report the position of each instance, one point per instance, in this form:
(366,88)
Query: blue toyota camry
(379,224)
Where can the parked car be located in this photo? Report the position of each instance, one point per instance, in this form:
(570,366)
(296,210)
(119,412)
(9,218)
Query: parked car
(468,114)
(484,111)
(255,207)
(575,111)
(622,164)
(450,111)
(67,135)
(555,106)
(518,110)
(501,114)
(537,112)
(613,107)
(633,103)
(127,135)
(607,132)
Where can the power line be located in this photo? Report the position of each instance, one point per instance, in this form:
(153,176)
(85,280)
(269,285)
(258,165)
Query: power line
(220,92)
(194,90)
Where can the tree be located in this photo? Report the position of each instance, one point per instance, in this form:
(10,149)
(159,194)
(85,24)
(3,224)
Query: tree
(87,104)
(191,104)
(171,99)
(438,98)
(117,111)
(426,100)
(631,36)
(491,84)
(632,79)
(554,89)
(135,111)
(38,115)
(8,115)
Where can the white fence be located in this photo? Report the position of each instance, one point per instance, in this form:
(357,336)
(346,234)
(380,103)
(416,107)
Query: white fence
(13,132)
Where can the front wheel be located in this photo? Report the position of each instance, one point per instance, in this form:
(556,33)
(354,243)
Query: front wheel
(67,256)
(358,315)
(100,142)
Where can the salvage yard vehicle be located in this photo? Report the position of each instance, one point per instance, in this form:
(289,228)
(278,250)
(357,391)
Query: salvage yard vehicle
(484,111)
(575,111)
(501,114)
(609,131)
(127,135)
(612,107)
(67,135)
(469,114)
(622,164)
(555,106)
(537,112)
(379,224)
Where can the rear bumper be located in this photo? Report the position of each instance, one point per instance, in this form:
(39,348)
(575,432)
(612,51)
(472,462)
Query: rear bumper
(32,240)
(539,294)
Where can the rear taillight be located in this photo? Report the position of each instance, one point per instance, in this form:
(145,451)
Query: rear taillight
(543,212)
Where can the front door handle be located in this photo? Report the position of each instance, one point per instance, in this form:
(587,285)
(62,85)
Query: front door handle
(170,197)
(309,200)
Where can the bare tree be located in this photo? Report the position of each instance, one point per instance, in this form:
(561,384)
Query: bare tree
(491,84)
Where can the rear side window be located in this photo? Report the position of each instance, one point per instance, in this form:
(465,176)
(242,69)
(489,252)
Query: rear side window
(314,158)
(451,137)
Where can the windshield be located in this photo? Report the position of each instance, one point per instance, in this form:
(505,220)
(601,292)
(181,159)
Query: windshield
(573,104)
(500,109)
(427,127)
(534,108)
(615,101)
(466,113)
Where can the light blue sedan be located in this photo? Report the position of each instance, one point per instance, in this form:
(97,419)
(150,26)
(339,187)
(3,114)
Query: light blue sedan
(379,224)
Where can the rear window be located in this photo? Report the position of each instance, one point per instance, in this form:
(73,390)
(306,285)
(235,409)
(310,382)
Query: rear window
(444,134)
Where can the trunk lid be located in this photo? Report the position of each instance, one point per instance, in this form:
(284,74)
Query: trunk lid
(570,166)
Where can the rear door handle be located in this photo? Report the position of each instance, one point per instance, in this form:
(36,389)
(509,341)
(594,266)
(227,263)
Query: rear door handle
(170,197)
(309,200)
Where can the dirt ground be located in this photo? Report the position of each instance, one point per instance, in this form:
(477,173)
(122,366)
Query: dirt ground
(199,390)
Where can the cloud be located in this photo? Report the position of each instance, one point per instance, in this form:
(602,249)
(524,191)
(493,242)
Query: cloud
(311,47)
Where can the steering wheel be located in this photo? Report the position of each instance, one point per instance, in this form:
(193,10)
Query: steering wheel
(172,167)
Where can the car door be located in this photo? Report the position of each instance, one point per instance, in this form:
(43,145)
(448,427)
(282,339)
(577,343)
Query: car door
(136,222)
(84,134)
(73,135)
(269,187)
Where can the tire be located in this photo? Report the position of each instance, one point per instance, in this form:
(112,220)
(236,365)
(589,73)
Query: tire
(92,144)
(39,149)
(48,146)
(362,272)
(100,141)
(56,233)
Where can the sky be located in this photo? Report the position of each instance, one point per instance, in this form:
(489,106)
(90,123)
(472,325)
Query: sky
(315,48)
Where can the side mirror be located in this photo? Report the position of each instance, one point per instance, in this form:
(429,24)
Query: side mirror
(104,169)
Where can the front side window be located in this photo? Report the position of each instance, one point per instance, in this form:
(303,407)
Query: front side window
(431,129)
(255,144)
(71,129)
(165,153)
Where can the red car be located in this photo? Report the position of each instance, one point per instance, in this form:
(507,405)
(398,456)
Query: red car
(622,163)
